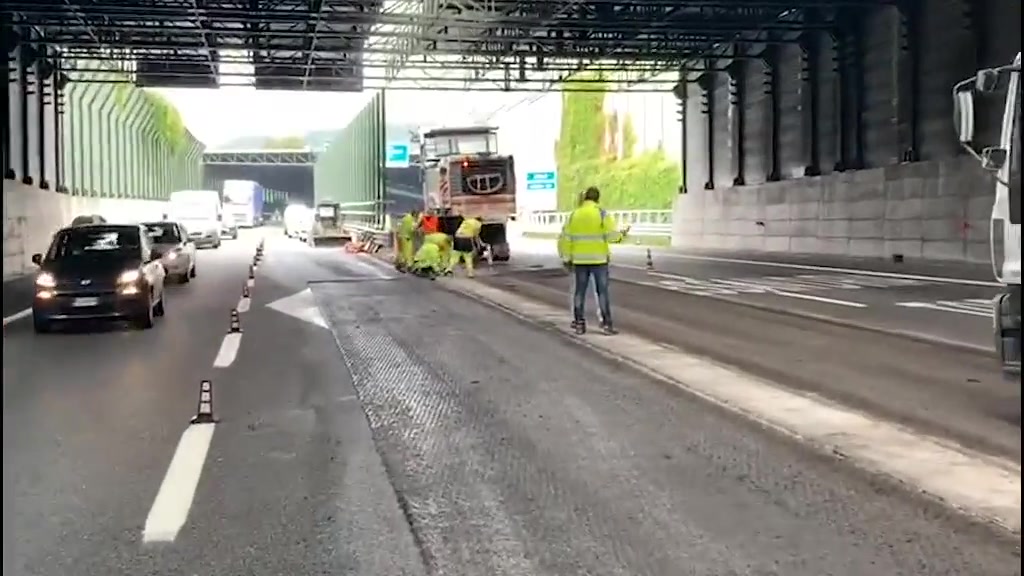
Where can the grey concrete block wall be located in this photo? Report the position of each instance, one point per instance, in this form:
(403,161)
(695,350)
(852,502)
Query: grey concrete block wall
(917,209)
(924,210)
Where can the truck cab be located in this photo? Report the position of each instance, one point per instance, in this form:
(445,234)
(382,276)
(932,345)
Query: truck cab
(1002,160)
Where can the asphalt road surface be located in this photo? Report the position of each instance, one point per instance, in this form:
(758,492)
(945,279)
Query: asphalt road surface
(375,426)
(932,301)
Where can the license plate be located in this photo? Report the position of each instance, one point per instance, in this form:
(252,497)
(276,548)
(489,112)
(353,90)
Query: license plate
(85,302)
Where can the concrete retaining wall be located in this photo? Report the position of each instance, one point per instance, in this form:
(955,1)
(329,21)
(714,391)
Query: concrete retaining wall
(32,215)
(928,210)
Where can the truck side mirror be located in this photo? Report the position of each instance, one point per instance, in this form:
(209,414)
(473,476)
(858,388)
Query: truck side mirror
(986,81)
(994,158)
(963,113)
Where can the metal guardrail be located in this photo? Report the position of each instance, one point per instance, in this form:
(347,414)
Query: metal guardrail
(641,222)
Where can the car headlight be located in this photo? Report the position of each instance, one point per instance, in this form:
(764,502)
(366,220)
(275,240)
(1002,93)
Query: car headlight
(128,276)
(46,280)
(171,255)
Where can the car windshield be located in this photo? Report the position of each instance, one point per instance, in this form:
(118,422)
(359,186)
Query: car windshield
(90,242)
(163,233)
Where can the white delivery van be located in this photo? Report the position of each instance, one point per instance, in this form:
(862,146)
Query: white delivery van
(200,213)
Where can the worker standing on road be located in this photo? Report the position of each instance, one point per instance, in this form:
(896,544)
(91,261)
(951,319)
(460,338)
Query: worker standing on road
(584,246)
(405,238)
(467,240)
(430,224)
(444,245)
(562,244)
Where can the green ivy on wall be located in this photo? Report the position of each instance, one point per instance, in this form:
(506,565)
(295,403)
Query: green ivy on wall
(599,149)
(167,121)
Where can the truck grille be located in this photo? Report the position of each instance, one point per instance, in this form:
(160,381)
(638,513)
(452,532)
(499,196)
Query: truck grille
(482,177)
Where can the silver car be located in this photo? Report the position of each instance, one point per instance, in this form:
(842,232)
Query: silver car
(177,251)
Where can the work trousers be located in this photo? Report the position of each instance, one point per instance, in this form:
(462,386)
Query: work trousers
(582,273)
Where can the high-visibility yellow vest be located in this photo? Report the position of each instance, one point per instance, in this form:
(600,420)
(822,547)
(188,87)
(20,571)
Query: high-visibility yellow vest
(407,226)
(587,234)
(439,239)
(470,228)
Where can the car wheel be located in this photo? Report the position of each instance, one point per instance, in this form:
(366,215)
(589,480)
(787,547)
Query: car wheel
(184,278)
(144,320)
(160,309)
(192,271)
(41,325)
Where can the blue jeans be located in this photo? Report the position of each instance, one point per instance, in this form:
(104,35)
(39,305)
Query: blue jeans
(583,274)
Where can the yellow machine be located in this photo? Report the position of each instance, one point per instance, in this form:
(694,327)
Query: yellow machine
(463,175)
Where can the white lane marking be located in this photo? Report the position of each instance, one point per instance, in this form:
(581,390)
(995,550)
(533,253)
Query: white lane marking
(17,316)
(174,499)
(735,289)
(250,282)
(228,350)
(301,305)
(243,305)
(960,307)
(794,266)
(822,299)
(981,485)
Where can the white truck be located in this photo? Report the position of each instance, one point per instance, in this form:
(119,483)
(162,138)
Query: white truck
(1002,160)
(201,214)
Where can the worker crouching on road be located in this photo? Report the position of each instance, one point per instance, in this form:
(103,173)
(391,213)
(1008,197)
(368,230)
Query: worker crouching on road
(584,246)
(427,261)
(467,240)
(444,244)
(405,237)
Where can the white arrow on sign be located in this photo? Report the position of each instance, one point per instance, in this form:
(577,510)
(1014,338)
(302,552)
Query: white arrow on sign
(301,305)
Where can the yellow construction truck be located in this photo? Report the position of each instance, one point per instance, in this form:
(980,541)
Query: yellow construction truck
(463,175)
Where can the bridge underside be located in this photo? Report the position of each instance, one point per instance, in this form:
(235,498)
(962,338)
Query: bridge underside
(347,45)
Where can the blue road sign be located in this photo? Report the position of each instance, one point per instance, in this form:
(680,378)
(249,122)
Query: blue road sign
(540,185)
(541,180)
(396,156)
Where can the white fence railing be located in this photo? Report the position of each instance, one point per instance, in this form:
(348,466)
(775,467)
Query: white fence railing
(641,222)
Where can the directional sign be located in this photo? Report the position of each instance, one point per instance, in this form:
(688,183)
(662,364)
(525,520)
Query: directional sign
(301,305)
(541,180)
(396,155)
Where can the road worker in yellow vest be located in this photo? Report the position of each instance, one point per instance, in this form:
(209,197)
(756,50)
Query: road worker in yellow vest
(467,240)
(427,261)
(405,238)
(585,247)
(444,245)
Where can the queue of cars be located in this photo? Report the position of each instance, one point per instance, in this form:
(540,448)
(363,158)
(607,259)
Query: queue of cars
(97,270)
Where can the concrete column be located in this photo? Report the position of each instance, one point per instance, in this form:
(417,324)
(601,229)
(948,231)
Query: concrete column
(7,42)
(906,63)
(695,170)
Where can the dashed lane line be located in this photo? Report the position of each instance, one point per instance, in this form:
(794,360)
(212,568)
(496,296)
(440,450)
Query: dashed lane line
(243,305)
(17,316)
(228,350)
(174,499)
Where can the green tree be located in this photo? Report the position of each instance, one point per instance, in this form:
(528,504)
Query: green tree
(285,143)
(587,154)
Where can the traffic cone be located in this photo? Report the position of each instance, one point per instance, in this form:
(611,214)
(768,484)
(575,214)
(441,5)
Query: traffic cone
(650,261)
(204,410)
(236,325)
(252,271)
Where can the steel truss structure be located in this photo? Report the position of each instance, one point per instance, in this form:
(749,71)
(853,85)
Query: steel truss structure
(264,157)
(349,45)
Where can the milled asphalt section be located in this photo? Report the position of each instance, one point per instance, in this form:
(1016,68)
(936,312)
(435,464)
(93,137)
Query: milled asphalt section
(513,451)
(943,391)
(91,419)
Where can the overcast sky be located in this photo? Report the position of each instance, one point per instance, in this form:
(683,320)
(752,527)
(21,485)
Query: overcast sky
(218,116)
